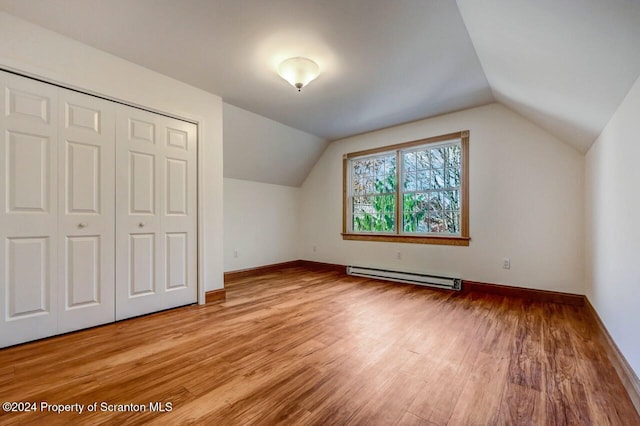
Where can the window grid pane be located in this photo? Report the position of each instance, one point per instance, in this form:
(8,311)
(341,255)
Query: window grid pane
(373,189)
(431,180)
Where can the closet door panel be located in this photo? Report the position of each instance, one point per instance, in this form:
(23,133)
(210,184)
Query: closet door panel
(83,279)
(139,248)
(156,213)
(28,280)
(142,265)
(28,209)
(180,212)
(86,211)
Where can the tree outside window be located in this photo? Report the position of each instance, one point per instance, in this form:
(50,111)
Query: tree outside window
(430,202)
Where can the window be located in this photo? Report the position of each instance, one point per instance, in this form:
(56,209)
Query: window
(428,206)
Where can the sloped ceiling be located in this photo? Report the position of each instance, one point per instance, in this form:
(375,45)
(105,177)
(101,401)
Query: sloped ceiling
(382,62)
(259,149)
(564,64)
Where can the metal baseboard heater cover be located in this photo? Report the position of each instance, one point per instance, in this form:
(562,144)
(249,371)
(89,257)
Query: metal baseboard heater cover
(448,283)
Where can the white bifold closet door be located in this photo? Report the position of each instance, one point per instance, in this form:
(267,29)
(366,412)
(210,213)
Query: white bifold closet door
(28,210)
(86,225)
(98,211)
(57,210)
(156,238)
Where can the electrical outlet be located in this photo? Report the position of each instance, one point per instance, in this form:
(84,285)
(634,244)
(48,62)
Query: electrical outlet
(399,256)
(506,263)
(235,253)
(315,249)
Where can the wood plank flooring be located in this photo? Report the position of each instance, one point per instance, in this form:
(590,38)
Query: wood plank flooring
(311,348)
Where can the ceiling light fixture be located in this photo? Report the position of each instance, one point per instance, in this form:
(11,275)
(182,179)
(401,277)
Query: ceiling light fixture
(298,71)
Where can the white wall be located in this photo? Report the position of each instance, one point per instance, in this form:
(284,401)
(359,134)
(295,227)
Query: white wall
(612,232)
(262,150)
(526,203)
(260,223)
(264,163)
(39,52)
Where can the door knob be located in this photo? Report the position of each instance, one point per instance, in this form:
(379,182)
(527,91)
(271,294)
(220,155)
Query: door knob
(83,225)
(141,225)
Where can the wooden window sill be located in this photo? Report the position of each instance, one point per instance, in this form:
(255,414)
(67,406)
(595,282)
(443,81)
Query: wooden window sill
(412,239)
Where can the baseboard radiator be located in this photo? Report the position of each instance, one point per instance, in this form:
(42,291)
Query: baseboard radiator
(448,283)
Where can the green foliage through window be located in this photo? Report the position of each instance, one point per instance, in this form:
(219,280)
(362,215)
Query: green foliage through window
(374,187)
(430,191)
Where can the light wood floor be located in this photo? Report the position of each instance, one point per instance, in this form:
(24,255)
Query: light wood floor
(304,347)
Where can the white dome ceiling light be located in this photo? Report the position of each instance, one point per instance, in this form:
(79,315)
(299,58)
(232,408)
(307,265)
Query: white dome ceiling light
(298,71)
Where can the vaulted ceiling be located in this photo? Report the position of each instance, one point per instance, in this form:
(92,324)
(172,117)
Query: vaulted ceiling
(565,65)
